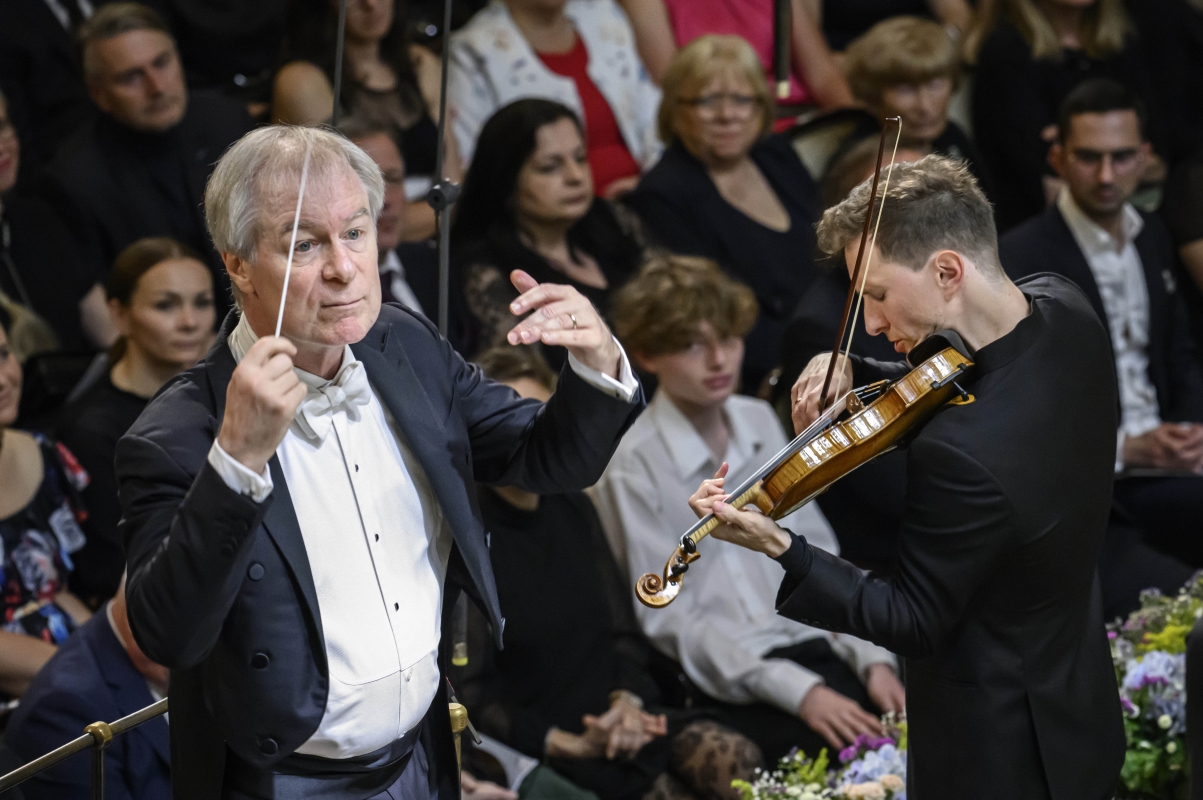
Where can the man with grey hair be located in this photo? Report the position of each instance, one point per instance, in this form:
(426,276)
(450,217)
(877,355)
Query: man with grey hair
(995,605)
(139,168)
(299,510)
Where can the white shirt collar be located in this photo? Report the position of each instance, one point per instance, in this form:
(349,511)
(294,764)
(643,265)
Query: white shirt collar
(686,446)
(243,336)
(392,263)
(1092,238)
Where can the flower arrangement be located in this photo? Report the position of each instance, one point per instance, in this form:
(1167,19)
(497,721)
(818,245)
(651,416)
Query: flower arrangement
(872,768)
(1149,653)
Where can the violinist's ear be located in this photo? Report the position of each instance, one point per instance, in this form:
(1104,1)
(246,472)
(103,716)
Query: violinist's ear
(950,271)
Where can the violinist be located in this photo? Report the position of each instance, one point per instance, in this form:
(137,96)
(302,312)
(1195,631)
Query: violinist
(995,606)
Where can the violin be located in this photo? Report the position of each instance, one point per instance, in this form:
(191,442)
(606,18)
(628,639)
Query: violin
(856,428)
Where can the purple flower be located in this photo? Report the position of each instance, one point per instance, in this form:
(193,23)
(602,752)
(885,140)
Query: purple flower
(849,754)
(1112,635)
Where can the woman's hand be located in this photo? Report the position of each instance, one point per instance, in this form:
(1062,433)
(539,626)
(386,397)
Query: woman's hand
(884,688)
(560,315)
(804,396)
(562,744)
(836,718)
(474,789)
(623,729)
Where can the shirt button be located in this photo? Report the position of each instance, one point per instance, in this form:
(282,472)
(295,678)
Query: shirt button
(396,606)
(377,537)
(357,468)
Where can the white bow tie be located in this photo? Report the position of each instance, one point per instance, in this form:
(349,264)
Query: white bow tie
(347,391)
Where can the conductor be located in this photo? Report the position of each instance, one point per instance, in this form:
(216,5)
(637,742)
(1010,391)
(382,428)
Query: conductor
(299,510)
(995,605)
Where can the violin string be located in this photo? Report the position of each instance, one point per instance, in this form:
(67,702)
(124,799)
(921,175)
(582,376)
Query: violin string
(860,291)
(292,245)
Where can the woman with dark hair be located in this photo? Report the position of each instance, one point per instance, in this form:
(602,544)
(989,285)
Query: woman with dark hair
(161,299)
(387,81)
(528,204)
(40,512)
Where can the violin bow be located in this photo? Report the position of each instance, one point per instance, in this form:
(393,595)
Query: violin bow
(855,289)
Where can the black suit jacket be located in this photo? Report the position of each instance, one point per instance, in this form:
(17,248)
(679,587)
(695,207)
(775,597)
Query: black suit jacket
(101,182)
(215,578)
(1045,244)
(91,678)
(995,605)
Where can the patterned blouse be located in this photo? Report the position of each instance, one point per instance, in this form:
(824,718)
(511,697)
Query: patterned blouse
(36,545)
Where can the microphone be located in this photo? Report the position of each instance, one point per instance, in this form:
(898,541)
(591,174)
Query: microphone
(781,39)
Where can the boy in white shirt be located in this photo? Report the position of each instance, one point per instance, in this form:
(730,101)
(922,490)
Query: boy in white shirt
(781,683)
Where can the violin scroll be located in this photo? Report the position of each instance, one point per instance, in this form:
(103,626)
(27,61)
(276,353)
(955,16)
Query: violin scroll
(655,591)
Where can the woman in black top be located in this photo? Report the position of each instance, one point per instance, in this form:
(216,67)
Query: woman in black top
(572,683)
(729,191)
(161,295)
(528,204)
(844,20)
(1027,62)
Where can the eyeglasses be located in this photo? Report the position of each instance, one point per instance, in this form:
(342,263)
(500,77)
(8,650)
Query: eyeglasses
(708,106)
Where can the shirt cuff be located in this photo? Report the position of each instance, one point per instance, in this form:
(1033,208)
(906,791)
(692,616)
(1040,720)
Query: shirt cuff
(624,388)
(1120,438)
(238,477)
(783,683)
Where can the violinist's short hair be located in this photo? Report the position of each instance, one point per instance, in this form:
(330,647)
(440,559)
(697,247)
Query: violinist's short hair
(271,158)
(932,204)
(659,310)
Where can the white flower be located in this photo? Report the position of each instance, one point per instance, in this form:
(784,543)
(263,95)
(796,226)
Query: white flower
(892,783)
(1165,722)
(1171,747)
(793,791)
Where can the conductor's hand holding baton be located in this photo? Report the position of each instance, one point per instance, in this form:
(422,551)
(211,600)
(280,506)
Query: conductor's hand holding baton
(261,401)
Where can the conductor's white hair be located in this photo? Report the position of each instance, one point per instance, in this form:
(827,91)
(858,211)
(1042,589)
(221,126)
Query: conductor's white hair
(269,160)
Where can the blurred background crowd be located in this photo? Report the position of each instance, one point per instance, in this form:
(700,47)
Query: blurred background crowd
(639,151)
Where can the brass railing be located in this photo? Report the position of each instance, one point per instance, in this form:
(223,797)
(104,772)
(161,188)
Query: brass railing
(97,736)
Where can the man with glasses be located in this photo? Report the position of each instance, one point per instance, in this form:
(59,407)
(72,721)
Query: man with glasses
(1124,260)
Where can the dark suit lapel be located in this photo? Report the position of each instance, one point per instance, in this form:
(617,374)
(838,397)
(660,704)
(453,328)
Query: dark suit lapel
(1160,302)
(1076,267)
(128,686)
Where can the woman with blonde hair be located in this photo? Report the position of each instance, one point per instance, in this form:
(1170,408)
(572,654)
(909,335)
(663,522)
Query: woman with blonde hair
(728,189)
(1029,54)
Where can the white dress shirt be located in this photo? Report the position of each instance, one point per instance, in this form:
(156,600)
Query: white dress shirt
(378,545)
(393,271)
(724,620)
(1120,277)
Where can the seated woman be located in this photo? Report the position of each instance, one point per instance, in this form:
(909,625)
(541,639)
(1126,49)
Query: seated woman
(909,67)
(40,510)
(580,694)
(1029,54)
(528,204)
(730,191)
(664,26)
(842,21)
(781,683)
(161,298)
(387,81)
(580,53)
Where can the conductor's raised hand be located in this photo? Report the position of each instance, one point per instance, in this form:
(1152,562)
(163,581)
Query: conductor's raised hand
(560,315)
(804,396)
(261,400)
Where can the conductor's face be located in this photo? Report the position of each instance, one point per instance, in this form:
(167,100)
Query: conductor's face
(334,290)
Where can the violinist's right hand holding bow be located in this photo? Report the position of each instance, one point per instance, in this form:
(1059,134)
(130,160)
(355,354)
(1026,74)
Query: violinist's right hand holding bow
(804,396)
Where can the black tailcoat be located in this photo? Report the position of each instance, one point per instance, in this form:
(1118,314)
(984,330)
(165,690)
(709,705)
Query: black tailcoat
(995,605)
(217,580)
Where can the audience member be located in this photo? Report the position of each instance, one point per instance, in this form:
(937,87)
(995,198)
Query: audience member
(909,67)
(161,297)
(40,511)
(1122,259)
(581,695)
(100,673)
(387,81)
(40,73)
(843,21)
(232,48)
(41,267)
(1182,210)
(408,270)
(1029,54)
(140,168)
(580,53)
(864,508)
(778,682)
(528,204)
(730,191)
(664,26)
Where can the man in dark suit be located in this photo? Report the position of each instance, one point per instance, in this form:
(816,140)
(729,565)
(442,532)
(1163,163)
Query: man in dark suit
(98,674)
(298,511)
(139,168)
(1124,261)
(995,605)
